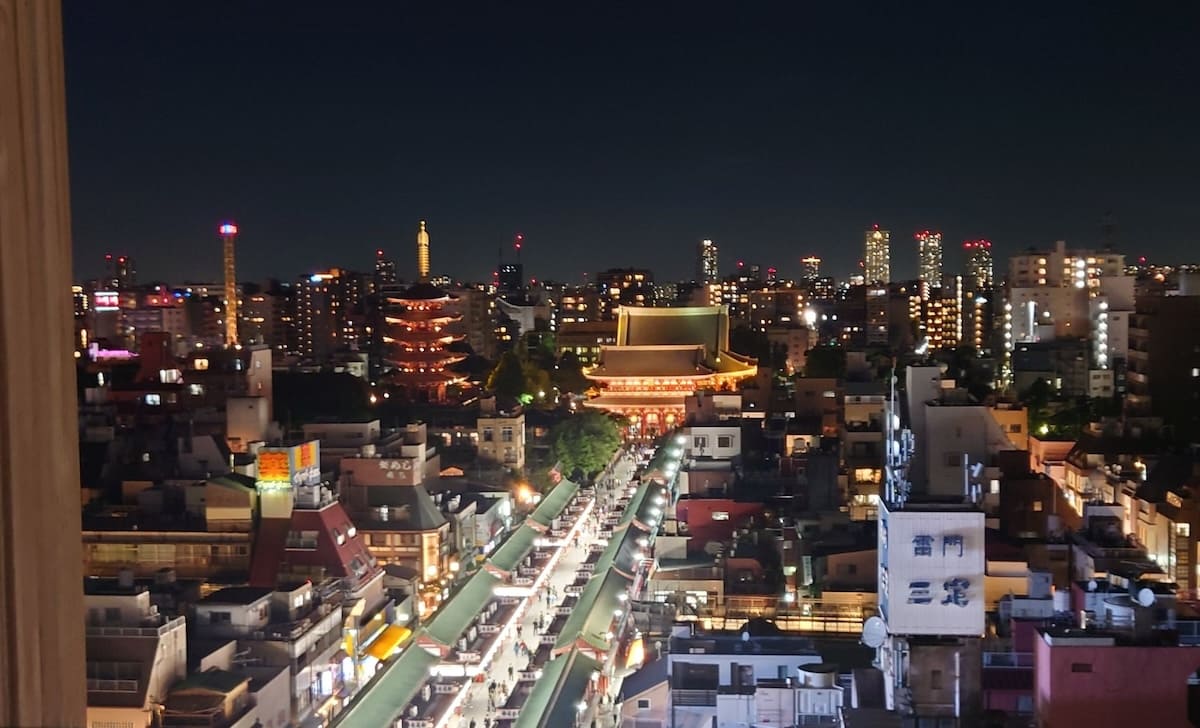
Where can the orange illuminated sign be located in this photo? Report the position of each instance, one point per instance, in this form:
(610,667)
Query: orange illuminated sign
(307,456)
(274,467)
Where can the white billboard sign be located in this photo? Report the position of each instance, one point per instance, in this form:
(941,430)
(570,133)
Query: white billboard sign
(931,571)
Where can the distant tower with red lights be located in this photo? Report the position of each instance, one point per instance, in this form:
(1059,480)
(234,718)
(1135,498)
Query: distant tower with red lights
(228,232)
(418,335)
(929,257)
(120,273)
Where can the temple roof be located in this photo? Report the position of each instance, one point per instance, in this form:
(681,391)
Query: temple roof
(420,292)
(705,326)
(651,361)
(619,401)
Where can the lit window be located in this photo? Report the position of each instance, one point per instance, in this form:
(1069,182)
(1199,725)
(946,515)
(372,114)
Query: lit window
(201,365)
(1037,506)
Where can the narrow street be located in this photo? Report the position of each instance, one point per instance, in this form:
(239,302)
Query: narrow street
(479,708)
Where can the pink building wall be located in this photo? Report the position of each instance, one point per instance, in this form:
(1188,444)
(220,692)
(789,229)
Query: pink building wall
(1126,686)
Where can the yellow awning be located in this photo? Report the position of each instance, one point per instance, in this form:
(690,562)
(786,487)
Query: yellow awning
(384,645)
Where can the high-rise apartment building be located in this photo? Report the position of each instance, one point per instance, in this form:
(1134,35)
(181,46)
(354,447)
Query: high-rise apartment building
(120,273)
(706,262)
(264,319)
(510,277)
(385,270)
(811,270)
(979,272)
(329,312)
(623,287)
(1164,361)
(1063,268)
(877,266)
(929,257)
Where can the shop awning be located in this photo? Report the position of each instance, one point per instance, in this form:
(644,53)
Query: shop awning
(387,642)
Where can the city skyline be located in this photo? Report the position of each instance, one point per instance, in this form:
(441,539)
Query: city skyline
(742,130)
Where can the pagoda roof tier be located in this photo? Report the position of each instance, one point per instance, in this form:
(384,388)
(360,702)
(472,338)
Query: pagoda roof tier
(420,293)
(440,376)
(429,356)
(421,337)
(422,316)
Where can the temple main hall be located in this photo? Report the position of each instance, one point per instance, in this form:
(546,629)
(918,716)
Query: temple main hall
(661,356)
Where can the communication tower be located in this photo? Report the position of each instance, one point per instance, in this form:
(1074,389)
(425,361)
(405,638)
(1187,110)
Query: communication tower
(228,232)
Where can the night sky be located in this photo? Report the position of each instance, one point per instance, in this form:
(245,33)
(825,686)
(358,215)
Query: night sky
(615,135)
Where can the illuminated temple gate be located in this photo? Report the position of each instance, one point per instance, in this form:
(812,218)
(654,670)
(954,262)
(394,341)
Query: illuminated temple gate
(662,356)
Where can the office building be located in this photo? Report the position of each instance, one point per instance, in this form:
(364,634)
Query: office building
(877,265)
(929,257)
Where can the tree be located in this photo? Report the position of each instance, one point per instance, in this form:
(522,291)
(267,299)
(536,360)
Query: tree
(585,442)
(568,374)
(825,362)
(507,380)
(537,382)
(1037,401)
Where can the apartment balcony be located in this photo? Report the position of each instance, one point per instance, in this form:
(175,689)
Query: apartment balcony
(112,686)
(1008,660)
(148,630)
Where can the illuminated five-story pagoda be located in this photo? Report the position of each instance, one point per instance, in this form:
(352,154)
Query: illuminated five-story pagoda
(418,335)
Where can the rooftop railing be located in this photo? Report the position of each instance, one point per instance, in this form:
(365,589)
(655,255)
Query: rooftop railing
(1014,660)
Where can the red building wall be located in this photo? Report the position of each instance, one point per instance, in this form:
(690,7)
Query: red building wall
(1112,686)
(698,514)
